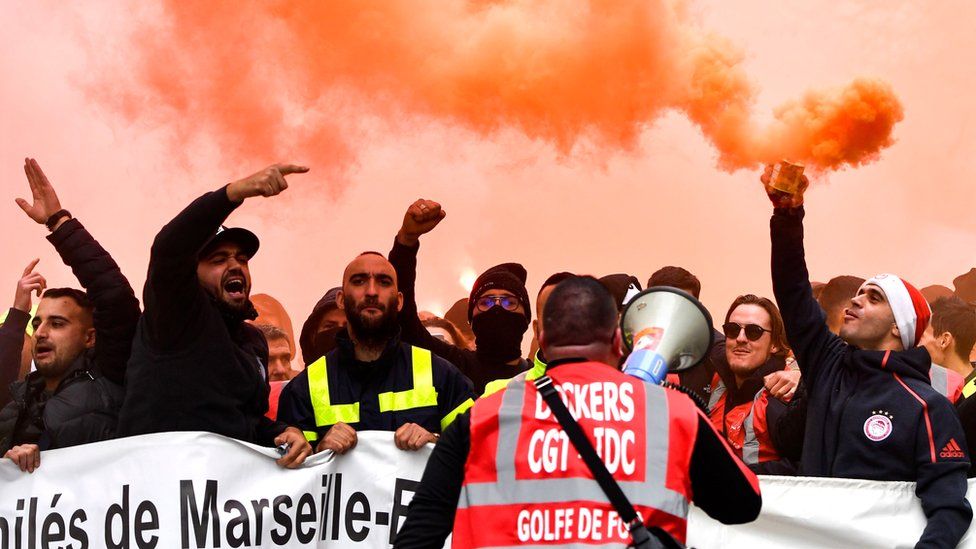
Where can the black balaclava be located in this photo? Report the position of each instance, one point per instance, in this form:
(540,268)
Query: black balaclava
(497,332)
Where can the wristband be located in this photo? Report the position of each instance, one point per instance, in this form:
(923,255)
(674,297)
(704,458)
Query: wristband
(55,217)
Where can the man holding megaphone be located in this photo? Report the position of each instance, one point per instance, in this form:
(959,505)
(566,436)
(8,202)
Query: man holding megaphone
(509,474)
(872,413)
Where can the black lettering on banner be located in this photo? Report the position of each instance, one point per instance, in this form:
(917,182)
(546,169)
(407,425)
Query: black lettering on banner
(336,513)
(259,505)
(120,510)
(399,507)
(188,506)
(305,517)
(327,484)
(76,531)
(53,520)
(144,525)
(282,518)
(352,516)
(239,522)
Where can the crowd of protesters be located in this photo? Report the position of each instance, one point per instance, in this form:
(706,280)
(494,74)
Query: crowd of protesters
(856,378)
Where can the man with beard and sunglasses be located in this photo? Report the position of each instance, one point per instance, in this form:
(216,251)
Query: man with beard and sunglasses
(371,380)
(741,408)
(871,410)
(498,307)
(196,364)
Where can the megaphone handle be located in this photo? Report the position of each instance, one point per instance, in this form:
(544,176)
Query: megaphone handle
(698,400)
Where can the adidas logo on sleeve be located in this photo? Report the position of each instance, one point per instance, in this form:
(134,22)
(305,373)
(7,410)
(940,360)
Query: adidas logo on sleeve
(952,450)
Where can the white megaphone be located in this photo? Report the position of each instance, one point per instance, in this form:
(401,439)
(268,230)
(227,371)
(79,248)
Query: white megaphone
(665,329)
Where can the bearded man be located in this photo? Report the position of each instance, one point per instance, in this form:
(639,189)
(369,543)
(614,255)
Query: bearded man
(372,381)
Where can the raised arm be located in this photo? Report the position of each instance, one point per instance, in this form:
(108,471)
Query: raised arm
(805,321)
(421,217)
(116,307)
(172,296)
(14,326)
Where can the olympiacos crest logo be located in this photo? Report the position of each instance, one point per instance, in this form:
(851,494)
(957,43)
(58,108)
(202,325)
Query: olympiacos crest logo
(878,427)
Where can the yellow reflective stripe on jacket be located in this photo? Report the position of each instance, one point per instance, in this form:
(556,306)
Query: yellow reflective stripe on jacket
(423,392)
(538,370)
(969,388)
(318,388)
(453,414)
(310,435)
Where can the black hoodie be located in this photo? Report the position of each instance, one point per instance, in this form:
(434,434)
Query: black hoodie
(871,414)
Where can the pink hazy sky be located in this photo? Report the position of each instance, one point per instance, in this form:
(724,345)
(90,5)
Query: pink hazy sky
(509,197)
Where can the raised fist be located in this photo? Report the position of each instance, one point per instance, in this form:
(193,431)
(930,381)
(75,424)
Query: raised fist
(421,218)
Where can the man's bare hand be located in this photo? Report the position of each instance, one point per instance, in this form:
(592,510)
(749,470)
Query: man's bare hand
(29,282)
(298,448)
(26,456)
(46,201)
(779,198)
(340,439)
(267,182)
(411,436)
(421,218)
(782,384)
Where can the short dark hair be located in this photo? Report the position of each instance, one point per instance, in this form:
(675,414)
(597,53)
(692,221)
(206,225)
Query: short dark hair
(953,315)
(555,279)
(778,329)
(272,332)
(676,277)
(838,292)
(78,296)
(580,311)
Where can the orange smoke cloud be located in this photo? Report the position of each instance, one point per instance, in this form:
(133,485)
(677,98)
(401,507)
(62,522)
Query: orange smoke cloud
(279,79)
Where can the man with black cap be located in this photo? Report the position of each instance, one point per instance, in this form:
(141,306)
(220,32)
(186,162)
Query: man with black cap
(498,307)
(196,365)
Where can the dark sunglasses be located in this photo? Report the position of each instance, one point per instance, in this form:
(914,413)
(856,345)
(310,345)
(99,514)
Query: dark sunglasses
(508,302)
(753,331)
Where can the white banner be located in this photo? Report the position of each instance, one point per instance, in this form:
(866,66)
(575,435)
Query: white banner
(806,512)
(191,490)
(195,490)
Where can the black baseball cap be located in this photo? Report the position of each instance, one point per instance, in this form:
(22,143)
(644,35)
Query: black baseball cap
(244,238)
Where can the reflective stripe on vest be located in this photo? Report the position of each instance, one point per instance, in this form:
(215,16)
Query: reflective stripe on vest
(537,371)
(652,492)
(717,393)
(750,443)
(422,394)
(453,414)
(940,379)
(969,389)
(318,388)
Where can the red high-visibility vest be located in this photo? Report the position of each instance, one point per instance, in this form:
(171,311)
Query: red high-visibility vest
(525,484)
(743,426)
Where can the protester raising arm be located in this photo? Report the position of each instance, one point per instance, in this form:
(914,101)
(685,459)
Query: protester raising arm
(173,298)
(12,330)
(421,218)
(116,307)
(805,321)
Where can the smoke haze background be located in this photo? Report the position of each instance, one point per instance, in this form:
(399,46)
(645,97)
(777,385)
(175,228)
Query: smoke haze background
(133,109)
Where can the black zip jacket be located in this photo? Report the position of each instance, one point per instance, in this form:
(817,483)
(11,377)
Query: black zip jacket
(84,407)
(870,414)
(351,381)
(195,366)
(479,370)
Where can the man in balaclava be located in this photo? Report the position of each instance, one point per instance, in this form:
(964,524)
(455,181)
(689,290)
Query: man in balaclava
(498,307)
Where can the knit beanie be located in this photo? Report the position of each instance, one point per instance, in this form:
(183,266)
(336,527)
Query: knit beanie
(621,286)
(507,276)
(911,311)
